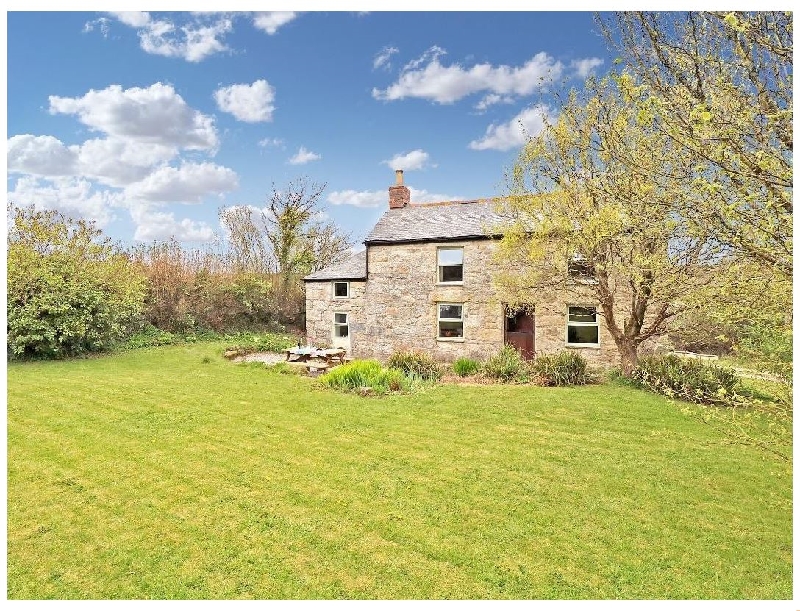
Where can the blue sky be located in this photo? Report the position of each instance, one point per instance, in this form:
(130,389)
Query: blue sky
(149,123)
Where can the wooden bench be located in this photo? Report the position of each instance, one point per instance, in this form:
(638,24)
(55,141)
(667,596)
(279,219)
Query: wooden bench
(316,367)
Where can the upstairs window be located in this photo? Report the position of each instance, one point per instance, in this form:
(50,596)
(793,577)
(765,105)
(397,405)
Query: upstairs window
(450,320)
(582,326)
(580,268)
(341,290)
(451,265)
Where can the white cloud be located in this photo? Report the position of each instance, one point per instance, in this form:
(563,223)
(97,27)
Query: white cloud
(491,99)
(101,22)
(40,155)
(118,162)
(154,115)
(192,36)
(135,19)
(359,199)
(584,67)
(382,58)
(413,160)
(421,196)
(250,103)
(269,22)
(191,183)
(192,42)
(304,156)
(505,136)
(155,224)
(113,161)
(271,142)
(198,37)
(377,199)
(74,197)
(427,78)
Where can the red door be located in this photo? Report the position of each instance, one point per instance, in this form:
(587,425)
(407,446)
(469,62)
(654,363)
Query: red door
(519,333)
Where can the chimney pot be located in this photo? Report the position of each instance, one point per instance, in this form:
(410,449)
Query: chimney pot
(398,177)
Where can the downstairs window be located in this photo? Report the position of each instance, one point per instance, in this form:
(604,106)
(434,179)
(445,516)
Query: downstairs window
(582,326)
(450,320)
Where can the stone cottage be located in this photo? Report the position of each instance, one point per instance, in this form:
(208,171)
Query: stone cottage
(425,282)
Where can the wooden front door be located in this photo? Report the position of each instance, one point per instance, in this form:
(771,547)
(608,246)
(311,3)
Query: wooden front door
(519,333)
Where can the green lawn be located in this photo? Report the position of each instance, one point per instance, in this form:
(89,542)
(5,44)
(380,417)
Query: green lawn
(154,474)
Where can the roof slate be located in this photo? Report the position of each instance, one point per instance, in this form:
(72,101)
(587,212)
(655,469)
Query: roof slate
(441,221)
(354,268)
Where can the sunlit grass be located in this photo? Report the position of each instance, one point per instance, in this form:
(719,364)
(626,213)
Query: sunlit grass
(154,474)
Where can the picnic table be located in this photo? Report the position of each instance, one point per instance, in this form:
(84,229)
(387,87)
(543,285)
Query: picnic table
(305,354)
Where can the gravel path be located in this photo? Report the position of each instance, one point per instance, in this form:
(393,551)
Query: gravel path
(270,358)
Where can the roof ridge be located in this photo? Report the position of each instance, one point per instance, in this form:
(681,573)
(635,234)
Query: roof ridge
(454,202)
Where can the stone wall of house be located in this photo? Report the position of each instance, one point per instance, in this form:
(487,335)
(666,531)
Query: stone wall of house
(551,327)
(321,306)
(396,309)
(402,296)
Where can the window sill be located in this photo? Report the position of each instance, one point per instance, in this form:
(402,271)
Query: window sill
(580,346)
(341,298)
(450,339)
(450,283)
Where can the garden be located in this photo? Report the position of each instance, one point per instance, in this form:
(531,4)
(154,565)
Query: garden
(170,472)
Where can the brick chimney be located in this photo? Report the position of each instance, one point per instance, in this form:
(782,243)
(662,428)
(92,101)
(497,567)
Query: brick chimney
(399,194)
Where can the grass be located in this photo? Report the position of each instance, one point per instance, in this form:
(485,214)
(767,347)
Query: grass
(156,474)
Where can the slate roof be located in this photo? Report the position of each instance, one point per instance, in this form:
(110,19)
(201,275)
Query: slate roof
(441,222)
(354,268)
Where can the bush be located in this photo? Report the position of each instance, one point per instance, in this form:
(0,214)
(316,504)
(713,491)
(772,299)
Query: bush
(507,366)
(687,379)
(466,367)
(564,368)
(370,374)
(69,290)
(261,342)
(150,337)
(416,363)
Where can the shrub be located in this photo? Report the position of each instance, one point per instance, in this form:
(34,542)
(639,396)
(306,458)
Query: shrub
(150,337)
(416,363)
(366,374)
(69,290)
(262,342)
(506,366)
(564,368)
(688,379)
(466,367)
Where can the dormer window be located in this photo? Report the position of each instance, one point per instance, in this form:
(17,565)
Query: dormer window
(451,265)
(341,290)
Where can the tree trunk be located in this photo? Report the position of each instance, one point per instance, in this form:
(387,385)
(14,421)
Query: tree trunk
(629,356)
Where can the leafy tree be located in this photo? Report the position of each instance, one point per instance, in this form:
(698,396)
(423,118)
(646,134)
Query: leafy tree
(751,307)
(722,85)
(69,290)
(248,247)
(577,201)
(287,237)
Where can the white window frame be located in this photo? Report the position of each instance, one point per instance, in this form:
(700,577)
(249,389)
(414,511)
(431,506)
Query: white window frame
(439,267)
(346,323)
(596,323)
(333,289)
(439,320)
